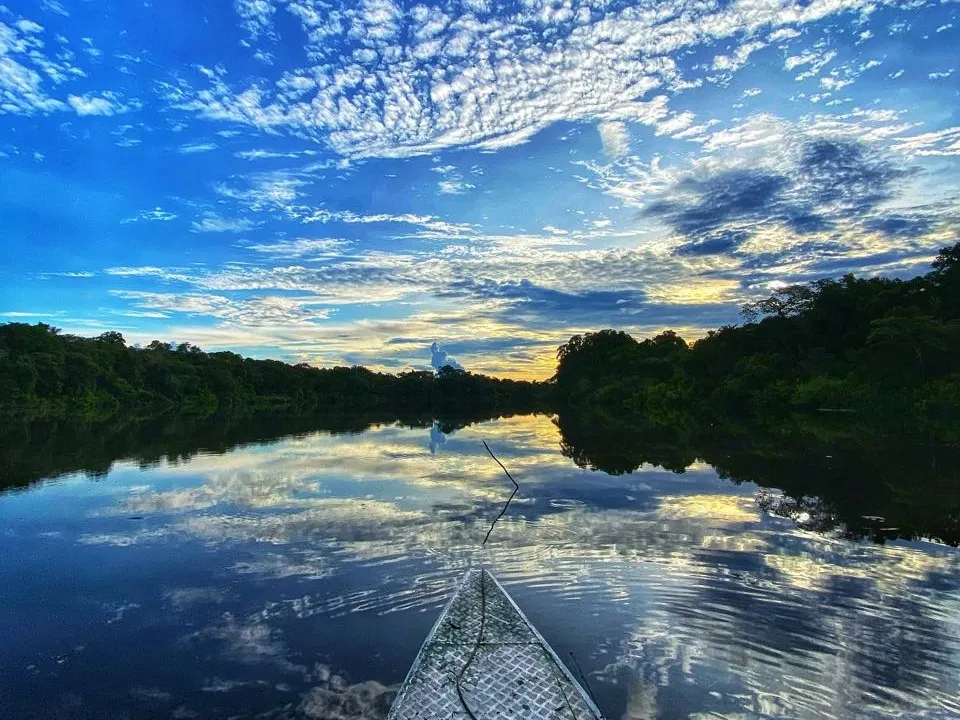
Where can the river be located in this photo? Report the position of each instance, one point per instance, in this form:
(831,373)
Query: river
(296,576)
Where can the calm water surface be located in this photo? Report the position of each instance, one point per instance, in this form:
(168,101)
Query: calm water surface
(297,579)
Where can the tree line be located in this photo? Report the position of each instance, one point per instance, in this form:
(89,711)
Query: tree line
(881,348)
(45,373)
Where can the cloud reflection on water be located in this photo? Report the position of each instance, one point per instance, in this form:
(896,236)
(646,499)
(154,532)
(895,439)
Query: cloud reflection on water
(680,596)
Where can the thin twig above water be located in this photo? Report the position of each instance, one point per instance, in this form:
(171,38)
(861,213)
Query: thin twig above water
(516,488)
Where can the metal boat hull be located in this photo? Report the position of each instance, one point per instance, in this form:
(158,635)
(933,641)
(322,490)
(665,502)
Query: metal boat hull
(484,659)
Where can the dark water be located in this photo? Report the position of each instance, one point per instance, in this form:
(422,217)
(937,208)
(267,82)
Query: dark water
(297,577)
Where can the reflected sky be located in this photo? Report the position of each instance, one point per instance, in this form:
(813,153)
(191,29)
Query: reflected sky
(297,579)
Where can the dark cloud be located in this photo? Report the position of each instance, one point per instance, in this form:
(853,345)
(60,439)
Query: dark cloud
(799,253)
(715,244)
(733,195)
(547,308)
(484,345)
(831,180)
(807,222)
(843,172)
(539,306)
(899,225)
(368,360)
(901,260)
(521,356)
(533,298)
(818,260)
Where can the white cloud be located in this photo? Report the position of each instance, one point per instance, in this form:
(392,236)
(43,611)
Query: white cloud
(675,124)
(300,247)
(264,310)
(166,274)
(943,143)
(78,274)
(54,7)
(211,222)
(615,139)
(106,103)
(832,83)
(490,287)
(150,314)
(257,16)
(195,148)
(734,62)
(783,34)
(428,222)
(439,359)
(816,59)
(155,215)
(454,186)
(453,182)
(268,191)
(264,154)
(453,79)
(282,191)
(26,72)
(28,26)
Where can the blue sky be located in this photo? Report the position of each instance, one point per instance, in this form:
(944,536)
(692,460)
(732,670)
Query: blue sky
(349,183)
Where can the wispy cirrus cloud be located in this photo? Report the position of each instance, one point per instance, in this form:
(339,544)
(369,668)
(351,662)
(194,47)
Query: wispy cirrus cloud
(264,310)
(453,183)
(37,70)
(940,142)
(615,138)
(214,223)
(107,103)
(313,248)
(28,74)
(196,148)
(155,215)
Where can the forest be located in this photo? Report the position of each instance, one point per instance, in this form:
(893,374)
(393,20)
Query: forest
(843,393)
(45,373)
(885,351)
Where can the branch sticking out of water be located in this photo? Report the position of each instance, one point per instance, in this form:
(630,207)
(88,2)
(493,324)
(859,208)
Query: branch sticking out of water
(516,489)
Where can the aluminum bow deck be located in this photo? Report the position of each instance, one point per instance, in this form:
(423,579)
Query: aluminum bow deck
(484,660)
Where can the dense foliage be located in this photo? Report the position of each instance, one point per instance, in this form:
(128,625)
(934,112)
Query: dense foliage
(883,348)
(46,373)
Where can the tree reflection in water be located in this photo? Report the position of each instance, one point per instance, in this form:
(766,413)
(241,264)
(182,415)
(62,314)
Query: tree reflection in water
(829,476)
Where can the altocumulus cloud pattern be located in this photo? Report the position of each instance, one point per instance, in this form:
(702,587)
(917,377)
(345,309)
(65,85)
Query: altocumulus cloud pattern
(351,182)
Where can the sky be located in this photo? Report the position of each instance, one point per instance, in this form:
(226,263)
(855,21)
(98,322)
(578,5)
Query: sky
(350,183)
